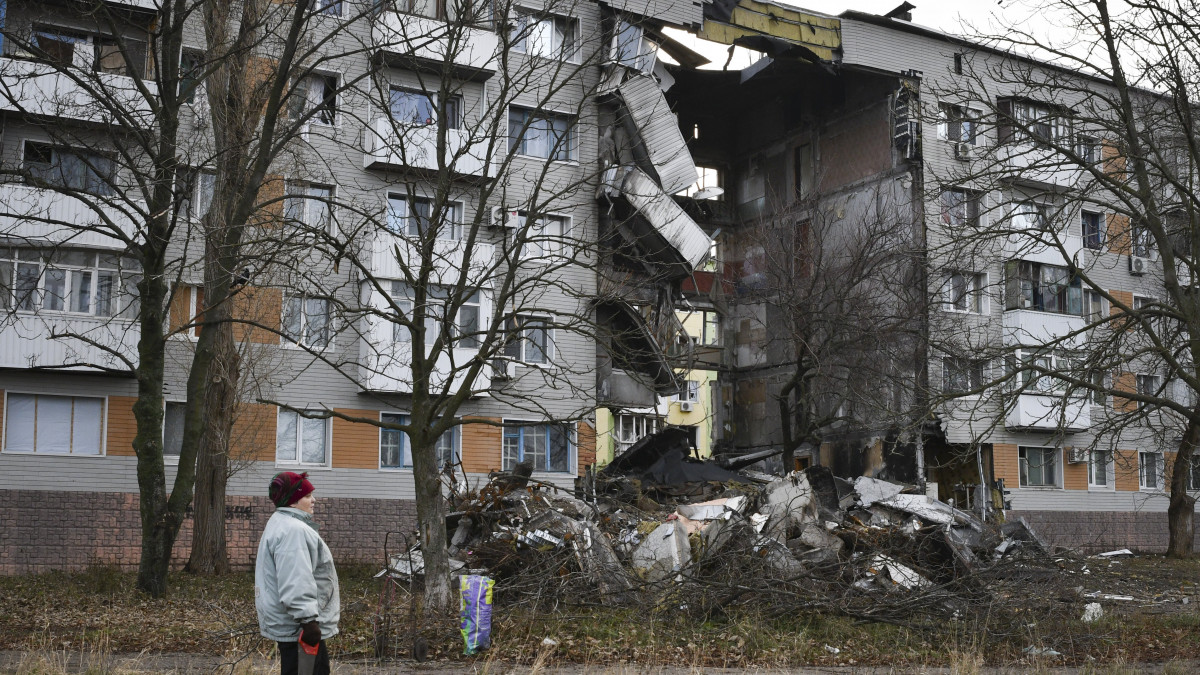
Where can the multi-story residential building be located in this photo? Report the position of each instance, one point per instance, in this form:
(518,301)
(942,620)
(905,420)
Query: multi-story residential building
(416,118)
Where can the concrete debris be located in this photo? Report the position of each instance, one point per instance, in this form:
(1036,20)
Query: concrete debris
(641,528)
(1092,612)
(1114,554)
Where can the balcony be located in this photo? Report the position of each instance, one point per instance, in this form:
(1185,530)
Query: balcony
(25,342)
(385,365)
(34,88)
(417,43)
(35,217)
(1044,247)
(1049,412)
(389,255)
(391,146)
(1037,166)
(1034,328)
(664,232)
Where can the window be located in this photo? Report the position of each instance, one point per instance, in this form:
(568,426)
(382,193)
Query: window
(631,48)
(964,292)
(541,134)
(315,95)
(1100,468)
(395,452)
(544,238)
(173,416)
(417,108)
(302,440)
(413,217)
(310,205)
(69,168)
(464,331)
(546,35)
(191,76)
(198,188)
(707,178)
(1044,288)
(1193,477)
(958,124)
(711,329)
(1141,243)
(1030,215)
(1095,308)
(1023,120)
(101,53)
(1148,385)
(1100,384)
(1033,371)
(629,428)
(1038,466)
(961,375)
(306,321)
(690,392)
(329,7)
(547,446)
(79,282)
(1151,469)
(960,208)
(60,47)
(1088,148)
(54,425)
(529,340)
(1093,230)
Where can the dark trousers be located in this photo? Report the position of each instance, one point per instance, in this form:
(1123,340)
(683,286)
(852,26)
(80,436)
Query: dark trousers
(289,658)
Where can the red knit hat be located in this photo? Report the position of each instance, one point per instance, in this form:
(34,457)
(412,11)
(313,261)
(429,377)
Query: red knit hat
(288,487)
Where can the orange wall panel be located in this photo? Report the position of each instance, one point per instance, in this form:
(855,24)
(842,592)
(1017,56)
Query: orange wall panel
(122,427)
(1075,476)
(254,432)
(1004,462)
(1118,233)
(1124,382)
(481,445)
(1126,467)
(585,448)
(260,307)
(355,444)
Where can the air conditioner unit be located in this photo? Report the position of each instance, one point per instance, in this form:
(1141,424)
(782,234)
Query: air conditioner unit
(685,406)
(502,217)
(1138,265)
(963,150)
(1077,456)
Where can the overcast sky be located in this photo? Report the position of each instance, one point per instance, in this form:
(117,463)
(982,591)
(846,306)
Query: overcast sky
(944,15)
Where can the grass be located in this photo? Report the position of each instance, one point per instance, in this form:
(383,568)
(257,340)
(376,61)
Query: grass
(92,615)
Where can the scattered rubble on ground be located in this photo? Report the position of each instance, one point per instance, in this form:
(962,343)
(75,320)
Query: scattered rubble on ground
(656,519)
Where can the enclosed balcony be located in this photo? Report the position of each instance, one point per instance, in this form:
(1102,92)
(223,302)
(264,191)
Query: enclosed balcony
(36,217)
(660,227)
(1038,166)
(1034,328)
(38,89)
(1049,412)
(389,255)
(422,44)
(393,146)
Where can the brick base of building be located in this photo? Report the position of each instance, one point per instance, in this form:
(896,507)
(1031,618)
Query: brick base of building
(42,531)
(1099,531)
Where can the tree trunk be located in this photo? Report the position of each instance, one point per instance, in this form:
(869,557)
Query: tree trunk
(1182,508)
(209,553)
(431,528)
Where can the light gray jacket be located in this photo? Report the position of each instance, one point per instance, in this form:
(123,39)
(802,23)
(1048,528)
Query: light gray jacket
(294,578)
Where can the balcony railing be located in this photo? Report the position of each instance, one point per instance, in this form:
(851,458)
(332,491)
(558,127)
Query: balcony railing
(418,43)
(25,342)
(34,88)
(1034,328)
(1049,412)
(1038,166)
(37,217)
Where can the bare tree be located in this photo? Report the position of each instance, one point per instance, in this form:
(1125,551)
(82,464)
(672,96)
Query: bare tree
(1080,172)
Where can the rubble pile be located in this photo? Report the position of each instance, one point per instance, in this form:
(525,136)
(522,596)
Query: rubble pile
(656,521)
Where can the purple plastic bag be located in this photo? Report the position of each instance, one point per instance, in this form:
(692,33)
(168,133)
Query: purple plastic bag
(476,611)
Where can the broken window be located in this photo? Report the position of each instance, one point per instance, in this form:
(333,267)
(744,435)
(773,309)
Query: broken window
(71,168)
(631,48)
(1148,385)
(315,95)
(629,428)
(1141,241)
(1030,215)
(410,107)
(1038,466)
(546,446)
(1092,225)
(1023,120)
(1040,287)
(958,124)
(709,184)
(960,207)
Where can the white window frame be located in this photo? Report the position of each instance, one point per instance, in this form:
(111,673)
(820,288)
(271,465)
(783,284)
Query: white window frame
(974,296)
(89,161)
(405,450)
(570,148)
(1110,474)
(542,244)
(302,201)
(640,424)
(970,199)
(690,393)
(976,373)
(402,295)
(198,203)
(546,40)
(299,431)
(1095,306)
(966,113)
(630,47)
(1101,232)
(309,103)
(521,425)
(323,7)
(1152,378)
(171,459)
(88,58)
(304,339)
(435,103)
(1057,455)
(1159,473)
(103,431)
(192,310)
(517,328)
(34,300)
(407,223)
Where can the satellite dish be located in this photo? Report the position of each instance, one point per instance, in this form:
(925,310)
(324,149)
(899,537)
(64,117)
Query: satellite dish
(709,193)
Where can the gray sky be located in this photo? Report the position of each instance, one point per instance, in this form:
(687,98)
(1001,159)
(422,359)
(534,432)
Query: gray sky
(944,15)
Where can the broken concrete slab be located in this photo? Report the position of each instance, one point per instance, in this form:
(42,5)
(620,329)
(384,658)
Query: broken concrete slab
(871,490)
(664,552)
(901,575)
(931,510)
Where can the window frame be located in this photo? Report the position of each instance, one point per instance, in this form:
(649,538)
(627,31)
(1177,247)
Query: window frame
(1160,466)
(17,298)
(1023,467)
(521,33)
(568,433)
(1110,474)
(401,293)
(171,459)
(517,144)
(411,222)
(974,295)
(102,450)
(650,423)
(1032,274)
(87,159)
(328,111)
(971,201)
(91,58)
(690,393)
(1156,389)
(1097,240)
(298,207)
(328,449)
(405,445)
(303,343)
(520,324)
(974,371)
(952,115)
(552,247)
(436,105)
